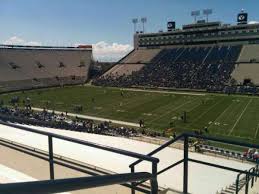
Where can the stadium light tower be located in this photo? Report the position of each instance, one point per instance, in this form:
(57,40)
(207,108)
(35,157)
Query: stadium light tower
(143,21)
(207,12)
(135,21)
(195,14)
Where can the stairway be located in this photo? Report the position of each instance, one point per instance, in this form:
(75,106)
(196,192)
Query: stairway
(232,188)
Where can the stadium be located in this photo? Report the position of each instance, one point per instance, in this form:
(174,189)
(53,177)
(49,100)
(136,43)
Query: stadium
(177,114)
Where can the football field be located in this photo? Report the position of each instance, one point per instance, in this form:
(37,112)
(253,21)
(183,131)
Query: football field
(229,116)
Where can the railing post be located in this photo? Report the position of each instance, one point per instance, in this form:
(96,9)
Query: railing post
(256,169)
(247,184)
(51,162)
(185,165)
(253,178)
(154,184)
(237,184)
(132,169)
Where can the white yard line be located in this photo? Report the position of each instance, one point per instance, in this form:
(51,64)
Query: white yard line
(194,107)
(164,92)
(223,112)
(205,112)
(256,131)
(93,118)
(232,129)
(166,113)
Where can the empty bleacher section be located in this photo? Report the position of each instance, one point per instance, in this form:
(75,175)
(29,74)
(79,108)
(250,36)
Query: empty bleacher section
(249,53)
(30,67)
(141,56)
(133,62)
(124,69)
(248,65)
(194,67)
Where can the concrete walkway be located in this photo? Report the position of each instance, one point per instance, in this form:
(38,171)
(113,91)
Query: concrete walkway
(93,118)
(254,190)
(38,169)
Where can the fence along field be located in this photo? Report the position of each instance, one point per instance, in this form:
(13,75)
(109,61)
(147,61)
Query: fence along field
(228,116)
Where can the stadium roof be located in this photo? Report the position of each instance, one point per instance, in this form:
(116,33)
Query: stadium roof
(79,47)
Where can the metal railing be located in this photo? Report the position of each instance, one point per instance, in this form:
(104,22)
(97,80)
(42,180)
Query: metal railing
(247,179)
(154,161)
(135,178)
(72,184)
(186,159)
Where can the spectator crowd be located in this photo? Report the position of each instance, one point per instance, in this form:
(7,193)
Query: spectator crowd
(62,121)
(207,68)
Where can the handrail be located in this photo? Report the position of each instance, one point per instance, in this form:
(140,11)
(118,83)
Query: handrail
(247,177)
(217,139)
(159,149)
(222,140)
(163,170)
(82,142)
(149,157)
(154,161)
(71,184)
(186,159)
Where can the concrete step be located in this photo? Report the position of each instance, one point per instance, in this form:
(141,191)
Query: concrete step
(170,191)
(226,192)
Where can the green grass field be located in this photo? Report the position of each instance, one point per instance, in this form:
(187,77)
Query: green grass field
(228,116)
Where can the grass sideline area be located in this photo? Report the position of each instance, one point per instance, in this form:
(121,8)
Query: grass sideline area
(232,116)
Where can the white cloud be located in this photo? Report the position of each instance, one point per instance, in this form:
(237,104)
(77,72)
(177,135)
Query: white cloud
(104,51)
(19,41)
(253,22)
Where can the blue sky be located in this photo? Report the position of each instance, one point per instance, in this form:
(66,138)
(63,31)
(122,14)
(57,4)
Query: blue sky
(67,22)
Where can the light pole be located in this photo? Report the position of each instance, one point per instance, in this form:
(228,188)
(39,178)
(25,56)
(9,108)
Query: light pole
(135,21)
(143,21)
(207,12)
(195,14)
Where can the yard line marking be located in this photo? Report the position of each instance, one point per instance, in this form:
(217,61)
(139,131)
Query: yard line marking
(166,113)
(194,107)
(205,112)
(232,129)
(256,131)
(170,103)
(128,101)
(222,113)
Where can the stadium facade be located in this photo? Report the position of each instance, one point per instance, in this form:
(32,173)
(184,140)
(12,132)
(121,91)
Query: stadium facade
(199,34)
(203,55)
(27,67)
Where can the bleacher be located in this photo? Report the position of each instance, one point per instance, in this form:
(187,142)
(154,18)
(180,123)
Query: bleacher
(25,68)
(141,56)
(124,69)
(133,62)
(248,65)
(193,67)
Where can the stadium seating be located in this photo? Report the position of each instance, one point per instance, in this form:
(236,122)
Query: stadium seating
(124,69)
(196,67)
(24,68)
(249,52)
(141,56)
(248,65)
(133,62)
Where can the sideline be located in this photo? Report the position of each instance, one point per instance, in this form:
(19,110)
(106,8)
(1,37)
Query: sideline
(164,92)
(92,118)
